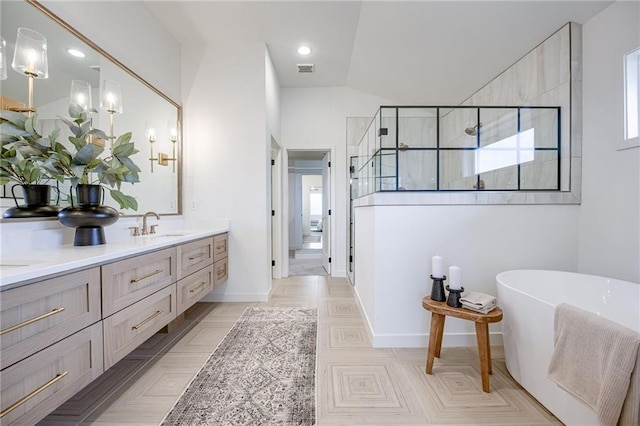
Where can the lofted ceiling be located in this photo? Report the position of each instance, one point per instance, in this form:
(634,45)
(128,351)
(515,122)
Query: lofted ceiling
(413,52)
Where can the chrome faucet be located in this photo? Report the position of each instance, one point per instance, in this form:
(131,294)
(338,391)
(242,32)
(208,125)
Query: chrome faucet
(145,229)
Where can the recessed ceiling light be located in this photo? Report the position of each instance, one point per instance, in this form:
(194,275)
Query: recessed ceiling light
(76,53)
(304,50)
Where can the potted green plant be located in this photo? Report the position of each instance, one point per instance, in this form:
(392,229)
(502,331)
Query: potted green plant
(91,173)
(86,166)
(24,160)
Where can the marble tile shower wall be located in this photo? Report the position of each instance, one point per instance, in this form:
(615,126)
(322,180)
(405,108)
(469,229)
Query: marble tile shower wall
(549,75)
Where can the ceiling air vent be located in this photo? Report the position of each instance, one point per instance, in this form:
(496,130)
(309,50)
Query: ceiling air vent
(303,68)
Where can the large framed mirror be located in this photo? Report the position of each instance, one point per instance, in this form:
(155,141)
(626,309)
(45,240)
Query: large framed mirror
(145,109)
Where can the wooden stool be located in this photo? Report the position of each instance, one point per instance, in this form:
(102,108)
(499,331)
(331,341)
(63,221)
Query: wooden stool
(439,311)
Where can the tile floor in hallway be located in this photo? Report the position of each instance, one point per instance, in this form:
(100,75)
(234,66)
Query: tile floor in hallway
(356,384)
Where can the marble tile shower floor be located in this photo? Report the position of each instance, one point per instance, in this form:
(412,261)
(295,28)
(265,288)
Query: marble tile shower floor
(355,384)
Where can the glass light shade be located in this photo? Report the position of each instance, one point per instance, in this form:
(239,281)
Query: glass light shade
(111,97)
(172,131)
(30,56)
(80,94)
(3,59)
(151,134)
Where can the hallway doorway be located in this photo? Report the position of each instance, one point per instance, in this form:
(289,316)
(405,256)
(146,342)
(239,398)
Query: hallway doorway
(309,242)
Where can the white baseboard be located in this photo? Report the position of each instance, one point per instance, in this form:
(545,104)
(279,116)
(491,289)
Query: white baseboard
(420,340)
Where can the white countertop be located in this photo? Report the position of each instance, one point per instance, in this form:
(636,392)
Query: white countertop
(41,263)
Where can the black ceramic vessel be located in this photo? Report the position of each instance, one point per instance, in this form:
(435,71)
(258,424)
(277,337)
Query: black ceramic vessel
(89,216)
(437,289)
(37,200)
(454,297)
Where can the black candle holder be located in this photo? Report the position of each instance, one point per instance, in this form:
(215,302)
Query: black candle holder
(454,297)
(437,289)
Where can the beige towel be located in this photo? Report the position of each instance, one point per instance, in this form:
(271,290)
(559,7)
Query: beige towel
(597,361)
(478,300)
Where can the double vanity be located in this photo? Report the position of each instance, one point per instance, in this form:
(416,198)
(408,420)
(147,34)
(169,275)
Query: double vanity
(76,311)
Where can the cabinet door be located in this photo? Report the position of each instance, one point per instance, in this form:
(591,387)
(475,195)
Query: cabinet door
(220,249)
(194,256)
(194,287)
(221,271)
(130,280)
(130,327)
(37,315)
(37,385)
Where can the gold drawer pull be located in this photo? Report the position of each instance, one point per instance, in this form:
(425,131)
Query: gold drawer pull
(195,257)
(156,272)
(221,247)
(137,326)
(32,394)
(201,287)
(31,321)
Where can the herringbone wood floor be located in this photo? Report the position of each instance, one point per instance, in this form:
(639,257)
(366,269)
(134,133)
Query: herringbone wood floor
(355,384)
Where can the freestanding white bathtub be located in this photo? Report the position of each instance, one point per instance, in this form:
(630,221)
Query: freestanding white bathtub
(528,299)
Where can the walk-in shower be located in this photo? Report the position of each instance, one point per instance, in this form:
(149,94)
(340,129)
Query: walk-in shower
(464,148)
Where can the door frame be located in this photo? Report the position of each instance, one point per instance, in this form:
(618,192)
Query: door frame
(284,207)
(276,209)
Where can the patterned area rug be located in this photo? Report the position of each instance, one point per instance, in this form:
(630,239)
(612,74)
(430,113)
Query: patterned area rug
(262,373)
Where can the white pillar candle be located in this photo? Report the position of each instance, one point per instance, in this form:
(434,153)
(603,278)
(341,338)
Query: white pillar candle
(436,267)
(455,278)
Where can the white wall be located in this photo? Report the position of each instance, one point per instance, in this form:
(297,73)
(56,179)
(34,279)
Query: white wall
(395,245)
(227,157)
(315,118)
(609,243)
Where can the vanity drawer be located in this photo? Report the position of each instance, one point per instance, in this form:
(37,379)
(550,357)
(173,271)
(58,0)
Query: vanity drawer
(194,256)
(131,280)
(37,385)
(220,246)
(193,288)
(220,271)
(127,329)
(37,315)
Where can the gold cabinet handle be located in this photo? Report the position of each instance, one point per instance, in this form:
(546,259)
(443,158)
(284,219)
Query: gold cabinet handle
(156,272)
(31,321)
(222,246)
(195,257)
(201,287)
(137,326)
(24,399)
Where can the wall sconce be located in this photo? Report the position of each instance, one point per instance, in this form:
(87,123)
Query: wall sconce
(111,101)
(162,158)
(3,59)
(151,137)
(30,59)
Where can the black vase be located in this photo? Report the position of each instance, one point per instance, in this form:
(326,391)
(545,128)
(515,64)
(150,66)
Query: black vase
(89,216)
(37,200)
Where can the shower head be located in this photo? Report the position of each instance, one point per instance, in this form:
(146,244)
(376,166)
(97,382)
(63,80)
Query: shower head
(473,131)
